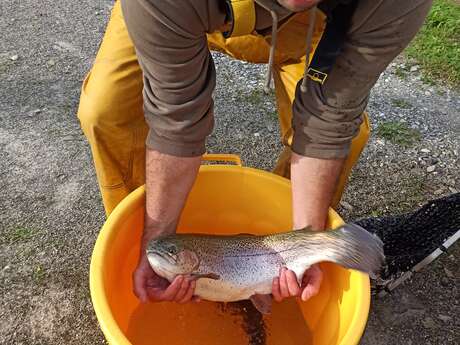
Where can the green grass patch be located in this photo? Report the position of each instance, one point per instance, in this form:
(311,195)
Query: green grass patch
(39,274)
(401,72)
(376,213)
(437,45)
(401,103)
(273,114)
(20,234)
(398,133)
(257,96)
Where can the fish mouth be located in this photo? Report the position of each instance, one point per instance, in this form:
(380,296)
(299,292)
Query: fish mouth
(162,255)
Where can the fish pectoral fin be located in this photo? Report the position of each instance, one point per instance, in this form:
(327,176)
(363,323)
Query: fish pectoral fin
(263,303)
(196,276)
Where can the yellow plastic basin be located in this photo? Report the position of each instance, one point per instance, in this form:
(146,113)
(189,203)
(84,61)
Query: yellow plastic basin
(226,199)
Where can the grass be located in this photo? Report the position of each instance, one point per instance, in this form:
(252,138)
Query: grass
(398,133)
(401,72)
(273,114)
(39,274)
(256,96)
(401,103)
(437,45)
(20,234)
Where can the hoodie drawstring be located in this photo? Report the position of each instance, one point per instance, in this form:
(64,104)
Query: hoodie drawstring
(275,19)
(311,26)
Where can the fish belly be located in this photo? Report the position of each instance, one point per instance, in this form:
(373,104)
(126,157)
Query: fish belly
(243,277)
(225,291)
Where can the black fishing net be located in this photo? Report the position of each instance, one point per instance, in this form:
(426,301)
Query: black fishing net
(410,238)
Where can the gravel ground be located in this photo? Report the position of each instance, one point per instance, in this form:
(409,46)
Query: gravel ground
(51,212)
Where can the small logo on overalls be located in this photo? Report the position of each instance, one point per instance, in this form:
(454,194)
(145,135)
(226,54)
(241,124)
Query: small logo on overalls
(316,75)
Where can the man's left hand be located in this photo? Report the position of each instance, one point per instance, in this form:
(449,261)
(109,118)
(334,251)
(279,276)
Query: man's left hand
(286,284)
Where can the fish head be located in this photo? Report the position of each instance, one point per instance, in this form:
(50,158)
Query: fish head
(168,256)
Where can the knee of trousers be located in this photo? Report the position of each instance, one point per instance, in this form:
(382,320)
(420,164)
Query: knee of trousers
(110,108)
(94,110)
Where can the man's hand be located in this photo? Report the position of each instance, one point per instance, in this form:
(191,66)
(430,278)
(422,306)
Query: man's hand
(286,284)
(314,182)
(148,286)
(168,182)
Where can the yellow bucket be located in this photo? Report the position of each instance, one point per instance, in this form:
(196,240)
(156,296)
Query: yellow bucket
(226,199)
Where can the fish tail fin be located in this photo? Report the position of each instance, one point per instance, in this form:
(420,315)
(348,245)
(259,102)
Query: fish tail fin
(355,248)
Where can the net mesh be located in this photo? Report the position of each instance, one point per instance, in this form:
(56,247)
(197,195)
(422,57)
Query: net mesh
(411,237)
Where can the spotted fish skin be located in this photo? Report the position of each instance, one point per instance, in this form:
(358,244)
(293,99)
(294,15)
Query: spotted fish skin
(237,267)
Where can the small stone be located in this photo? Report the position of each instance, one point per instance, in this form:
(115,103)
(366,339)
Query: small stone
(431,168)
(415,68)
(448,273)
(14,57)
(438,192)
(37,111)
(6,268)
(346,205)
(380,142)
(427,93)
(428,322)
(425,151)
(453,190)
(51,62)
(257,134)
(445,281)
(444,318)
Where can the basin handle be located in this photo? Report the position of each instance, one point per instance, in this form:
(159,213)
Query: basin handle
(224,157)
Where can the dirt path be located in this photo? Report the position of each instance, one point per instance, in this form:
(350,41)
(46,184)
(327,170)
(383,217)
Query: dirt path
(50,209)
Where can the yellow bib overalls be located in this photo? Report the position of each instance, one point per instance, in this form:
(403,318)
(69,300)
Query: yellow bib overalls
(111,106)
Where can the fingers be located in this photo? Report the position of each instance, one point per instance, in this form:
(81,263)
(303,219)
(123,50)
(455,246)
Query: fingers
(147,285)
(276,290)
(180,290)
(139,286)
(178,285)
(292,284)
(285,285)
(187,297)
(183,290)
(313,282)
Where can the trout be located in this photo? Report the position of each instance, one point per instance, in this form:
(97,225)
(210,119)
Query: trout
(239,267)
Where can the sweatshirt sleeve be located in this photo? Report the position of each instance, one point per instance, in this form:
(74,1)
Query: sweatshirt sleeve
(169,37)
(327,116)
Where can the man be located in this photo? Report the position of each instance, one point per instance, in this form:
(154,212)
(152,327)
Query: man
(321,102)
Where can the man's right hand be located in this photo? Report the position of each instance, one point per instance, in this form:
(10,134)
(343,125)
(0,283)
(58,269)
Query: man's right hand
(168,183)
(148,286)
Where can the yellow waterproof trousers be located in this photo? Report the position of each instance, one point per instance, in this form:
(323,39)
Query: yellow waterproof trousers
(111,112)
